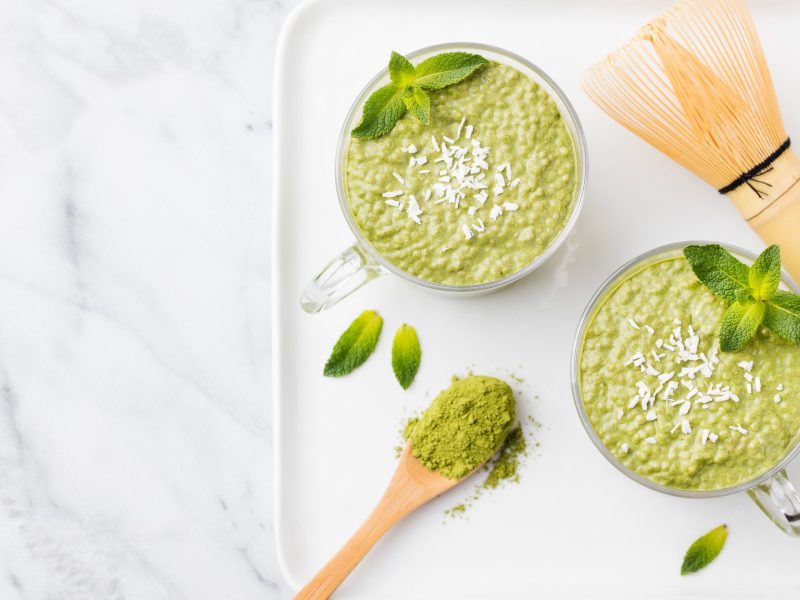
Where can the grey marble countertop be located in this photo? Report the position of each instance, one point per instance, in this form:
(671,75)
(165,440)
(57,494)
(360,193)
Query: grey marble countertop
(135,411)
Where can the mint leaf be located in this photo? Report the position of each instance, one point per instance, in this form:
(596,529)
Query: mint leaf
(355,344)
(718,270)
(739,324)
(443,70)
(783,315)
(705,549)
(752,293)
(418,104)
(387,105)
(745,296)
(401,71)
(405,355)
(765,274)
(381,112)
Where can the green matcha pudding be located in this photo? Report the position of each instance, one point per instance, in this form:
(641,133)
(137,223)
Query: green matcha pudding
(477,193)
(662,397)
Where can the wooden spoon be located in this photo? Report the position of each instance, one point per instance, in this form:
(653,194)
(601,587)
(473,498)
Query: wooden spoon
(411,486)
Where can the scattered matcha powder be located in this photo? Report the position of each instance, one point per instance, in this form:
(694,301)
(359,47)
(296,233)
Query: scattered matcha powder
(508,459)
(457,510)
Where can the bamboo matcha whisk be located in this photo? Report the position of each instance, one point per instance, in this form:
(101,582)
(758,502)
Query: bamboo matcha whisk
(694,83)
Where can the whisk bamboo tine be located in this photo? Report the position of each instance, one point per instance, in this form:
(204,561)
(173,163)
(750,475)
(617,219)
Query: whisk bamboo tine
(695,84)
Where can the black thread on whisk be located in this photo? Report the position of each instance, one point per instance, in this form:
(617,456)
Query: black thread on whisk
(764,166)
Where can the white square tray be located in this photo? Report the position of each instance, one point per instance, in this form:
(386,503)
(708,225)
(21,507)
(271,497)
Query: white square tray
(574,526)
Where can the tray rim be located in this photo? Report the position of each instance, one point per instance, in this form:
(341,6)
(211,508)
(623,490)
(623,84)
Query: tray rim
(284,37)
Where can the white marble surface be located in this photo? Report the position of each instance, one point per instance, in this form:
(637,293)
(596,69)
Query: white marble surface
(135,415)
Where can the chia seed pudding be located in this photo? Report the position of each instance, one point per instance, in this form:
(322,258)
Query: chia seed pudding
(666,402)
(476,195)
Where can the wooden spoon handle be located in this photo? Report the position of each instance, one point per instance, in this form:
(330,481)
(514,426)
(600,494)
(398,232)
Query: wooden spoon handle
(339,567)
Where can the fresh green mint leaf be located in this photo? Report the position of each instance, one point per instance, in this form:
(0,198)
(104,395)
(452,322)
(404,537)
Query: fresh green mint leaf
(418,104)
(406,355)
(381,112)
(765,274)
(745,296)
(739,324)
(445,69)
(718,270)
(387,105)
(355,344)
(401,71)
(705,549)
(783,315)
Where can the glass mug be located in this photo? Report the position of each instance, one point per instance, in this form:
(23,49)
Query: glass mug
(361,262)
(771,490)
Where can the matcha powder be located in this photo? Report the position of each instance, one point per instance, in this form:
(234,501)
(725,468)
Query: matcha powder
(506,466)
(464,426)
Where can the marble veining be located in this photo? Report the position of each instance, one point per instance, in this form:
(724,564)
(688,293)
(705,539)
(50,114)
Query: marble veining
(135,411)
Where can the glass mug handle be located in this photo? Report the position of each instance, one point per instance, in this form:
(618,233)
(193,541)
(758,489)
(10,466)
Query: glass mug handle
(780,501)
(340,278)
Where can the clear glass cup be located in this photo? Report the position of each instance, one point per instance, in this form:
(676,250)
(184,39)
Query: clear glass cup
(771,490)
(361,262)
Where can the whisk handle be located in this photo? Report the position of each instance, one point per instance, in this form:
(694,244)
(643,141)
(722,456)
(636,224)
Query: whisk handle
(780,224)
(771,205)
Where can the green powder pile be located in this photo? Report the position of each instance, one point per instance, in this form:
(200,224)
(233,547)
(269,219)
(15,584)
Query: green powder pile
(464,426)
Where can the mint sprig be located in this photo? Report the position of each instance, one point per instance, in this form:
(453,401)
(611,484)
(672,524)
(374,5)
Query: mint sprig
(704,549)
(752,293)
(407,90)
(406,355)
(355,345)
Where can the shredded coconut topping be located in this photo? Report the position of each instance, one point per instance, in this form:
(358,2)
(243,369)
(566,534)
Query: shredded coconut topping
(695,376)
(462,178)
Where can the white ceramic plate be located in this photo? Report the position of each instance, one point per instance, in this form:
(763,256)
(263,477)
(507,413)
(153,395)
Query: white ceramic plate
(574,526)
